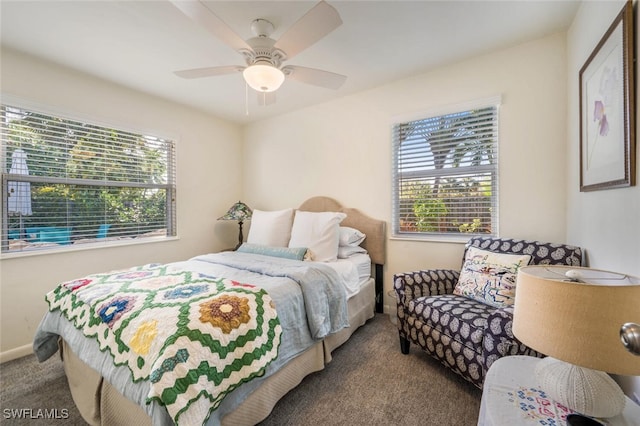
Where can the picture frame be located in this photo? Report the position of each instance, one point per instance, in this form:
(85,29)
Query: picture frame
(607,116)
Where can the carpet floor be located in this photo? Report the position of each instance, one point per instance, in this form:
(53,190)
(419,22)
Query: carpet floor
(368,382)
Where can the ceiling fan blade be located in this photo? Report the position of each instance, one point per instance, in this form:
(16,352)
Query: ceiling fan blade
(209,71)
(266,98)
(314,76)
(314,25)
(201,14)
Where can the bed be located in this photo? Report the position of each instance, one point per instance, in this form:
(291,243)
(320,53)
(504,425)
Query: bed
(106,394)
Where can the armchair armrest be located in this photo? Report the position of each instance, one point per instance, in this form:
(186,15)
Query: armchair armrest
(431,282)
(499,340)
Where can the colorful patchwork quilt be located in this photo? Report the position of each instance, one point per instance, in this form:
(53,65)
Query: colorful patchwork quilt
(195,338)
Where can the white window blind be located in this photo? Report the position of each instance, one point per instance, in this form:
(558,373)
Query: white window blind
(67,182)
(445,174)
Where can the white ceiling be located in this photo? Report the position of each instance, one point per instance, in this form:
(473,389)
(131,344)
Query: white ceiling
(140,43)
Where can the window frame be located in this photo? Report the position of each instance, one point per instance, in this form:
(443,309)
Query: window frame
(170,212)
(492,169)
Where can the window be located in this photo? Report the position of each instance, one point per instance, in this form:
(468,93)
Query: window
(445,178)
(65,183)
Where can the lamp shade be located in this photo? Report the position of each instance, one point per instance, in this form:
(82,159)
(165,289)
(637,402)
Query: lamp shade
(575,315)
(263,77)
(239,211)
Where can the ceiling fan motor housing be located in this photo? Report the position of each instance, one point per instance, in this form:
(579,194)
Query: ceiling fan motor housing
(262,45)
(263,52)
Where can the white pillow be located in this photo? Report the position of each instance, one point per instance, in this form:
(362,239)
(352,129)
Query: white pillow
(350,236)
(319,232)
(271,228)
(345,252)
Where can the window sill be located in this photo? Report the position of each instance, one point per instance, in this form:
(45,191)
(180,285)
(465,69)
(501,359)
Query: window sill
(83,247)
(455,239)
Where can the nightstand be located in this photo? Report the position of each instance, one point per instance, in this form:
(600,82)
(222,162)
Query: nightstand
(511,396)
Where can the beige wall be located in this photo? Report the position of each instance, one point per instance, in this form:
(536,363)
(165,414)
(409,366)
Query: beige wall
(209,153)
(606,222)
(342,148)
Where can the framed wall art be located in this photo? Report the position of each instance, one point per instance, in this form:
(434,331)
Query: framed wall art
(607,117)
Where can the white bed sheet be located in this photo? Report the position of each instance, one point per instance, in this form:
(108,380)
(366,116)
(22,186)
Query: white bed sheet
(355,271)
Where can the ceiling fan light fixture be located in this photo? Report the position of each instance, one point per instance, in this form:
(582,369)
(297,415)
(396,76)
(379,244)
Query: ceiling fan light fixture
(263,78)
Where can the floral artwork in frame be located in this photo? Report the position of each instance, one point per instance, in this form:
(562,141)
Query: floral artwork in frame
(607,129)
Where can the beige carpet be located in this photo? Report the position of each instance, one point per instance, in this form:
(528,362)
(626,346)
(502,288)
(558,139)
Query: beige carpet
(368,382)
(31,391)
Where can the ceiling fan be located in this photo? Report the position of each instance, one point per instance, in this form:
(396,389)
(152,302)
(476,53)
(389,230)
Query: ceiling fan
(263,55)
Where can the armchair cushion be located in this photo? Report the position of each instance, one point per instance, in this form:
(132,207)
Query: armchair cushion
(458,317)
(490,277)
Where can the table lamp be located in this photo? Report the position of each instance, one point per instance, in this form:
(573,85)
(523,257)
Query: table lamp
(240,212)
(574,316)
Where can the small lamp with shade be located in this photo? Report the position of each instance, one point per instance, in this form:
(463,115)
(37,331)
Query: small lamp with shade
(240,212)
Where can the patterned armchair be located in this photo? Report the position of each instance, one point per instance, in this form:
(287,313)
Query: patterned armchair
(466,334)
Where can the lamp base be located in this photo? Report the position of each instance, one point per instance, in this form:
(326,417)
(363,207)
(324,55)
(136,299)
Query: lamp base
(580,420)
(590,392)
(240,236)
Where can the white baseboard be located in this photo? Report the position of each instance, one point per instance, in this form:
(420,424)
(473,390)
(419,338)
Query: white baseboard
(16,353)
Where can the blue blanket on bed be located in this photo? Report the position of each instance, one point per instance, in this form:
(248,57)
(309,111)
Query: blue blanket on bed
(324,295)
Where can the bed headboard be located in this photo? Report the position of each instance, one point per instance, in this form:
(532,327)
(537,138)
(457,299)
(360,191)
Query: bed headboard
(374,229)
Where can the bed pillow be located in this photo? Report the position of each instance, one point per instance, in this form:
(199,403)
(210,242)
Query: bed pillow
(490,277)
(270,228)
(344,252)
(296,253)
(319,232)
(350,237)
